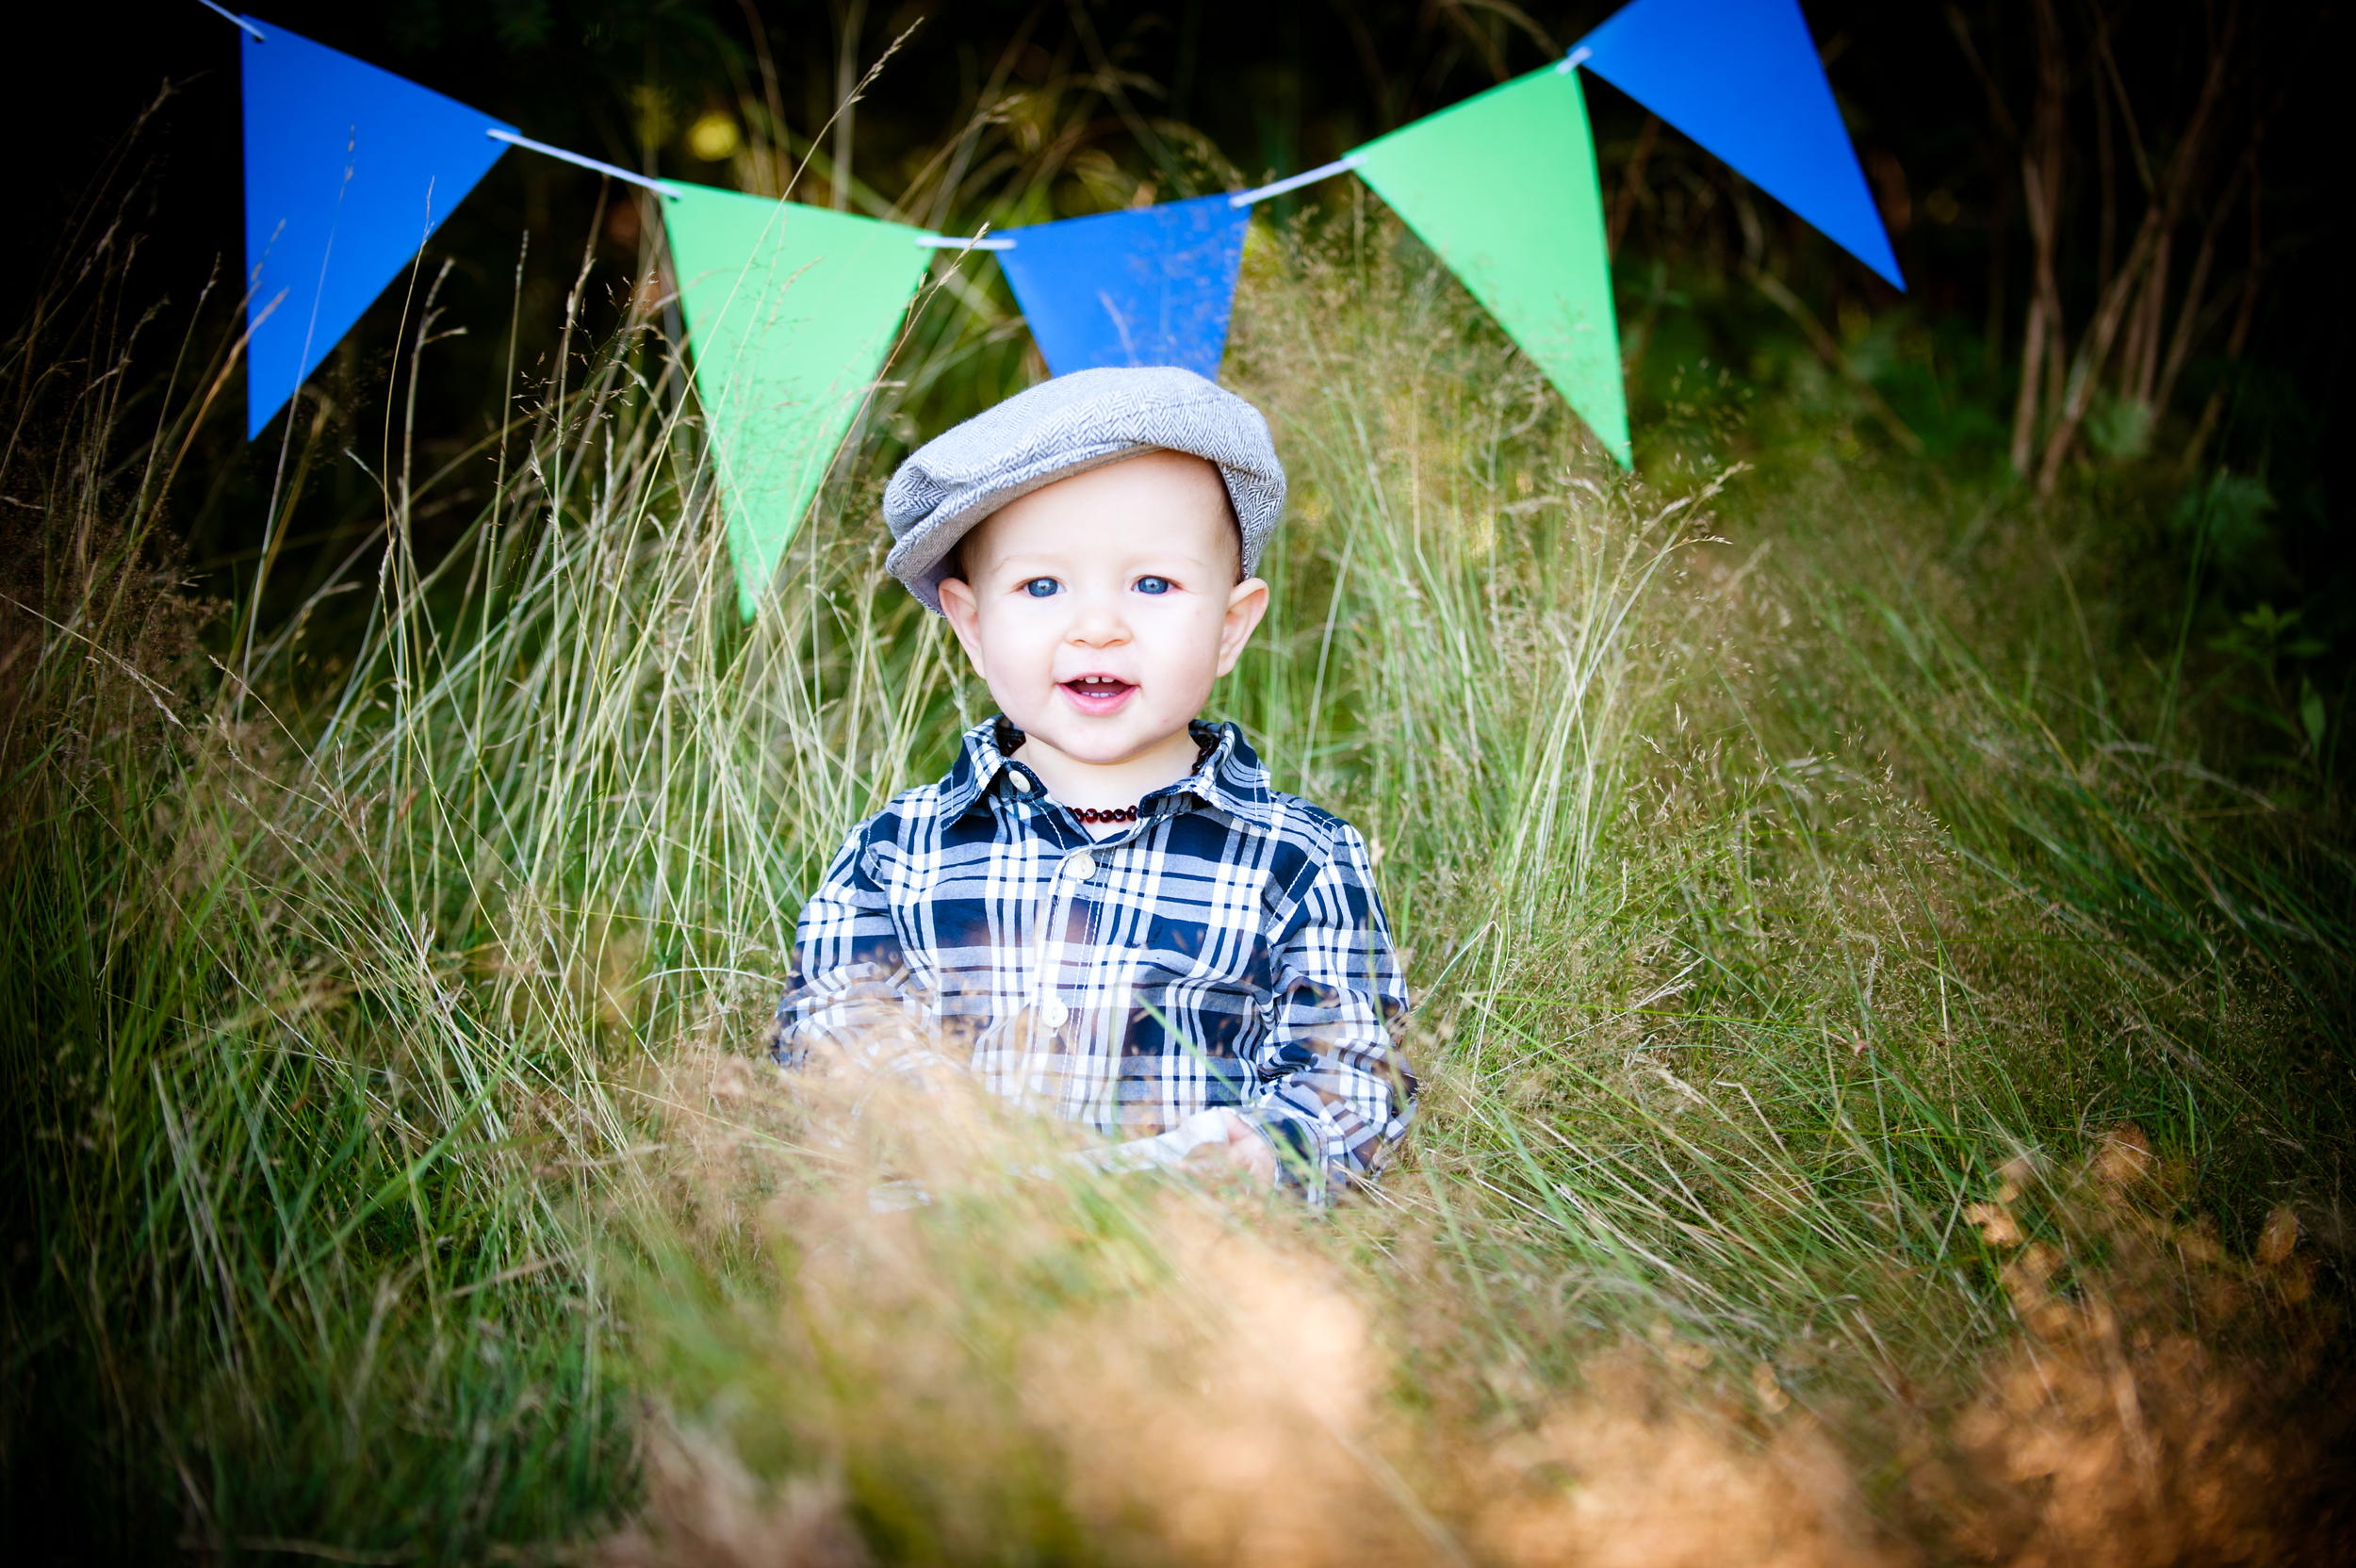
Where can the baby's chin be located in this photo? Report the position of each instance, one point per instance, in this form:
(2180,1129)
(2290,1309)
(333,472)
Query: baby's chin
(1099,741)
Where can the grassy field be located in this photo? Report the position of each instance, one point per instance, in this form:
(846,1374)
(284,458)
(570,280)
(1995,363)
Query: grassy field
(1885,1028)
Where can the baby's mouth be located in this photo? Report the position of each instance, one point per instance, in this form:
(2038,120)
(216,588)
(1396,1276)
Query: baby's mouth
(1097,694)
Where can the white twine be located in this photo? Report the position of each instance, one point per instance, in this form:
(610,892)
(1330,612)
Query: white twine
(1240,199)
(526,143)
(234,19)
(1322,171)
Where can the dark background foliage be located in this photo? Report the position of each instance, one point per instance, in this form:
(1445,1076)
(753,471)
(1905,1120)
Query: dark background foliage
(1132,101)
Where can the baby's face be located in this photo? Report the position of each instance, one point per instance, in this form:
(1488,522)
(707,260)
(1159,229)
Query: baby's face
(1101,609)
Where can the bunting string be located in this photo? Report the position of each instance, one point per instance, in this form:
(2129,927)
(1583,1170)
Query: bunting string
(233,19)
(611,171)
(1278,187)
(791,310)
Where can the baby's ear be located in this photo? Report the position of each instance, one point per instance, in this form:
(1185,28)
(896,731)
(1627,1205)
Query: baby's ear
(964,612)
(1246,604)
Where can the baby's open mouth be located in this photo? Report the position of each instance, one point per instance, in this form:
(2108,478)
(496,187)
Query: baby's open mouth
(1098,694)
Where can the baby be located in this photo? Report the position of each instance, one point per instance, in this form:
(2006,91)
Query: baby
(1105,896)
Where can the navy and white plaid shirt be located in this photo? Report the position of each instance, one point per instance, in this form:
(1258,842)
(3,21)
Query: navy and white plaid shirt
(1226,949)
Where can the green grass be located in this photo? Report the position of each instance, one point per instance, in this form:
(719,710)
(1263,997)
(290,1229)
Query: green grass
(1786,864)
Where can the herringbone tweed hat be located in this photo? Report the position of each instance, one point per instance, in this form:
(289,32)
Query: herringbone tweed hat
(1067,426)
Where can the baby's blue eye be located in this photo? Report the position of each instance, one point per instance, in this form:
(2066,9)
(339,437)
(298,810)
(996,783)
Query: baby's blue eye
(1153,585)
(1041,587)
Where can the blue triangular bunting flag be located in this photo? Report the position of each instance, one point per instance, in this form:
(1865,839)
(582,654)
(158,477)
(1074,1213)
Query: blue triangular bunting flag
(1153,286)
(348,170)
(1741,78)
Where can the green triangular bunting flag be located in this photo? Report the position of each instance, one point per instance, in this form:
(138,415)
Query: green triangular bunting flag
(790,311)
(1504,187)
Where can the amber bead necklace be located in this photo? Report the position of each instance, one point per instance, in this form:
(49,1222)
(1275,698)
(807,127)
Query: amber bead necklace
(1009,740)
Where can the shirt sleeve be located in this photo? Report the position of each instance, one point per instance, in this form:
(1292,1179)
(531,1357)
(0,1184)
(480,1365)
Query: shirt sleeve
(1339,1092)
(849,992)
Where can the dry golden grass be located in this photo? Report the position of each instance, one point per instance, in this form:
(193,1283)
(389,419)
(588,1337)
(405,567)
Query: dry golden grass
(1163,1371)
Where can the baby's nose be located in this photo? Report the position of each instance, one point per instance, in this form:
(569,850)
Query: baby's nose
(1098,622)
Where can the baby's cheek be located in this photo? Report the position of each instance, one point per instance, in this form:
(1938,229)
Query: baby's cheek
(1023,656)
(1202,635)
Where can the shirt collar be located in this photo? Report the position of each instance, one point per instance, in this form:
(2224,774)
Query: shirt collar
(979,763)
(1232,781)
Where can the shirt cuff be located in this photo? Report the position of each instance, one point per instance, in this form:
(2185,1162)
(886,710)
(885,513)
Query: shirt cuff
(1299,1142)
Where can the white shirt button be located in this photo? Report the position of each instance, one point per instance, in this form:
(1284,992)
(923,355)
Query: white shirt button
(1053,1013)
(1020,783)
(1080,867)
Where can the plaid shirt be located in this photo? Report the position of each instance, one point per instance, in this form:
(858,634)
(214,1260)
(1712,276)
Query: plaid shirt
(1226,949)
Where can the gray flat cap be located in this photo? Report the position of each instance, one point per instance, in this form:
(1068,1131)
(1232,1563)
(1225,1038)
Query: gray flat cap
(1064,427)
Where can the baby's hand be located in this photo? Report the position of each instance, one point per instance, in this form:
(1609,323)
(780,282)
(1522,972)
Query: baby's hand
(1247,1151)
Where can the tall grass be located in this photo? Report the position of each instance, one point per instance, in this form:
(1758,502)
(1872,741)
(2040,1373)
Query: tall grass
(395,1174)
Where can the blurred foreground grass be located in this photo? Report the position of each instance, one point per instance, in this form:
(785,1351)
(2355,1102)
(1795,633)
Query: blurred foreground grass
(1886,1065)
